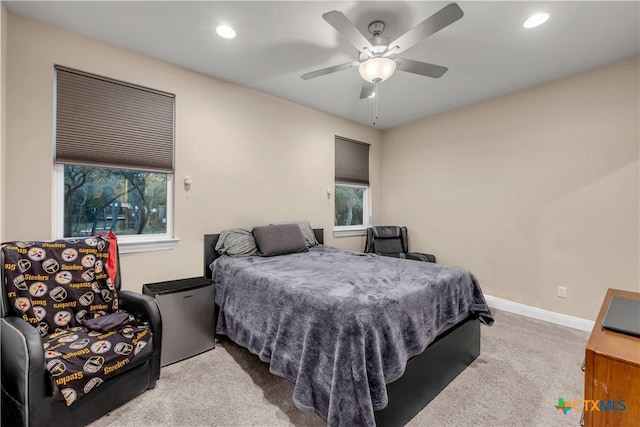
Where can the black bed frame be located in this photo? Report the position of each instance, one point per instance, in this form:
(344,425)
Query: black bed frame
(426,375)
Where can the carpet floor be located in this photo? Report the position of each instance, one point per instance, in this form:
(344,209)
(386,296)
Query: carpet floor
(524,367)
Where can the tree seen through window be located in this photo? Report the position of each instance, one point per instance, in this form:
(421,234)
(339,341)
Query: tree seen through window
(122,200)
(349,203)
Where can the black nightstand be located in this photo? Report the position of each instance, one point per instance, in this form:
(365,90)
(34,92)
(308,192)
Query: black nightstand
(188,317)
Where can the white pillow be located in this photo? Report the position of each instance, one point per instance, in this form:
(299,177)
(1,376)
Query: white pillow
(236,242)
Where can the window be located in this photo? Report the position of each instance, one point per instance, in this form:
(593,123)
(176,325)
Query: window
(113,161)
(351,210)
(125,201)
(351,206)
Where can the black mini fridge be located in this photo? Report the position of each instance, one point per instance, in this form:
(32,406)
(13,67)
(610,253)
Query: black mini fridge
(187,308)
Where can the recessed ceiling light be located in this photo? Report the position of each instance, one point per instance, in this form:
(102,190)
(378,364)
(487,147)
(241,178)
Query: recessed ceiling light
(226,32)
(536,20)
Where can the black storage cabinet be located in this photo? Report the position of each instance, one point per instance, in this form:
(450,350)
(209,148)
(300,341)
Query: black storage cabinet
(188,317)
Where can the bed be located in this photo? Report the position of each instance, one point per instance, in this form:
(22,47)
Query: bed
(359,353)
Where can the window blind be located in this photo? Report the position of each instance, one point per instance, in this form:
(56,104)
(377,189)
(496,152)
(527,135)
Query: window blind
(107,122)
(352,161)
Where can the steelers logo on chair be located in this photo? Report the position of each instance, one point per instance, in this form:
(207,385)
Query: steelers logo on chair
(40,312)
(20,283)
(50,265)
(88,260)
(88,275)
(23,304)
(107,296)
(38,290)
(43,328)
(93,382)
(69,255)
(91,241)
(100,347)
(86,299)
(127,332)
(56,367)
(64,277)
(37,254)
(80,315)
(58,294)
(93,364)
(69,395)
(123,348)
(24,265)
(62,318)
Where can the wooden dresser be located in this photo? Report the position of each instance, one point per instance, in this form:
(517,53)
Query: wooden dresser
(612,371)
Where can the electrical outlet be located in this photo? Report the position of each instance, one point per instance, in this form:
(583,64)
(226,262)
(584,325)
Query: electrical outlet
(562,291)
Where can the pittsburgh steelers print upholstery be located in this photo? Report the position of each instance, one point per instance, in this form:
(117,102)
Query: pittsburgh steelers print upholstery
(80,359)
(59,285)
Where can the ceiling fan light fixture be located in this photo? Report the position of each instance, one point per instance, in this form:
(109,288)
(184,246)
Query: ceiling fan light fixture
(377,69)
(226,32)
(536,20)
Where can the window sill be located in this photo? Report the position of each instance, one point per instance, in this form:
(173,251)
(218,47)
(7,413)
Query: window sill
(347,233)
(127,246)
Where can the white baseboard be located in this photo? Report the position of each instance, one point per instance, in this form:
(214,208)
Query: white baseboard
(539,313)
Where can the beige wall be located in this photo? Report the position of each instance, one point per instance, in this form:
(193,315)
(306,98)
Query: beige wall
(3,110)
(253,158)
(530,191)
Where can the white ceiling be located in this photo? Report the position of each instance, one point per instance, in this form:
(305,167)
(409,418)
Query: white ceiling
(489,53)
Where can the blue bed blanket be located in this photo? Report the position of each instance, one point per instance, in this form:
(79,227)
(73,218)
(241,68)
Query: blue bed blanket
(339,324)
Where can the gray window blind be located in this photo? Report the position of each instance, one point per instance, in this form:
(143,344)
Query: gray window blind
(107,122)
(352,161)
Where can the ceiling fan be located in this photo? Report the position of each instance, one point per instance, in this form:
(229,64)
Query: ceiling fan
(378,58)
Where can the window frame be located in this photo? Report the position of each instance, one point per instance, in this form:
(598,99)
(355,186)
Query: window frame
(126,243)
(353,230)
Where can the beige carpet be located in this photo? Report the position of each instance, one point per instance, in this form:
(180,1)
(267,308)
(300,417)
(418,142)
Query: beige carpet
(524,367)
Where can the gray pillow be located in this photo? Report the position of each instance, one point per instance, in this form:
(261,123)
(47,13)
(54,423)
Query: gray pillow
(279,239)
(236,242)
(307,231)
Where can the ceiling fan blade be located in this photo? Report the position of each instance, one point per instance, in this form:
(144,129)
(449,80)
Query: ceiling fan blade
(329,70)
(345,27)
(442,18)
(422,68)
(367,90)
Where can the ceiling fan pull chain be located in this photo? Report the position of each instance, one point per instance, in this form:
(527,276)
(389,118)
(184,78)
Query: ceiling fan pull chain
(375,102)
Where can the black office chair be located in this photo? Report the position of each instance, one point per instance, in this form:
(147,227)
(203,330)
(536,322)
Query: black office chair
(26,389)
(392,241)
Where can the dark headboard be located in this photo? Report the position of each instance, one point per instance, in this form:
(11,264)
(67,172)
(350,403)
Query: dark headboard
(210,253)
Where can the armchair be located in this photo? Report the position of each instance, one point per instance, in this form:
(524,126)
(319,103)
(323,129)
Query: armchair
(26,386)
(392,241)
